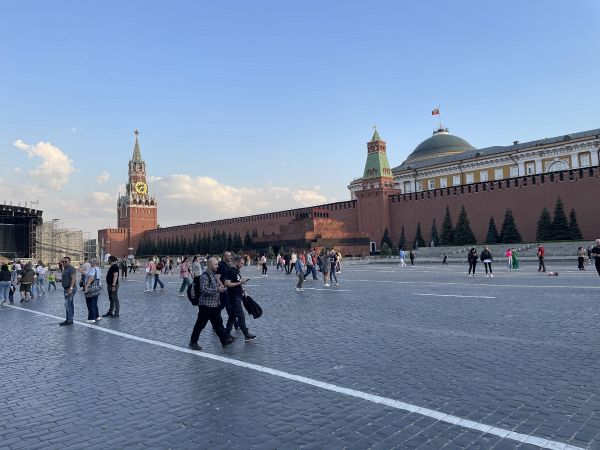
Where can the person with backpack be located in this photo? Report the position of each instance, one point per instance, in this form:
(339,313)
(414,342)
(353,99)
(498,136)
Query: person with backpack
(208,298)
(486,259)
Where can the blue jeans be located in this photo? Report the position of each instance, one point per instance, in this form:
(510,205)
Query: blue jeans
(69,308)
(157,280)
(41,280)
(4,290)
(92,306)
(309,270)
(333,274)
(185,282)
(149,278)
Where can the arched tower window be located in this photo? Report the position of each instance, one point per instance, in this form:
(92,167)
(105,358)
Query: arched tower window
(557,165)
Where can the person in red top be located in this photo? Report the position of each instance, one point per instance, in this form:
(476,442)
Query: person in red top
(540,254)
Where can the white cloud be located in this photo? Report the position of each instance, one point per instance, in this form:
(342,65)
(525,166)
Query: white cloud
(183,198)
(54,170)
(103,177)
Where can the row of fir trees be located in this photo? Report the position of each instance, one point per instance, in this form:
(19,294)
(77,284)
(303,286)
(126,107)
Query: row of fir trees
(200,245)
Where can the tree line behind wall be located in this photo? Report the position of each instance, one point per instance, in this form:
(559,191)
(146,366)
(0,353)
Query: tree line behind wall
(549,229)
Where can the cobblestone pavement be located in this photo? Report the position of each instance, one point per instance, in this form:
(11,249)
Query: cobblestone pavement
(518,352)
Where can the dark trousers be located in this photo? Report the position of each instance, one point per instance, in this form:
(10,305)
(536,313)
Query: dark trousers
(597,267)
(580,263)
(113,299)
(486,265)
(123,272)
(542,266)
(227,306)
(472,265)
(92,306)
(157,281)
(264,268)
(206,313)
(309,270)
(288,268)
(237,313)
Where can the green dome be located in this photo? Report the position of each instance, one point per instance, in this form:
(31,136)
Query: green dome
(440,144)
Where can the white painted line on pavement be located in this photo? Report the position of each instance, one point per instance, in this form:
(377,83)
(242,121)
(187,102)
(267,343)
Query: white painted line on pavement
(397,404)
(329,289)
(476,284)
(452,295)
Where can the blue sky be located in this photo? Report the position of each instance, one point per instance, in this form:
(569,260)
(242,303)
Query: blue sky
(271,101)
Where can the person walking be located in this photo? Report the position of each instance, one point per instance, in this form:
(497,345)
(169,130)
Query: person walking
(541,253)
(411,256)
(92,285)
(235,292)
(299,266)
(40,280)
(486,259)
(515,259)
(69,283)
(310,265)
(150,269)
(333,259)
(472,259)
(445,260)
(5,277)
(208,306)
(222,269)
(402,256)
(196,267)
(184,273)
(595,253)
(159,267)
(263,263)
(26,281)
(580,258)
(508,255)
(286,259)
(112,287)
(123,265)
(51,280)
(325,266)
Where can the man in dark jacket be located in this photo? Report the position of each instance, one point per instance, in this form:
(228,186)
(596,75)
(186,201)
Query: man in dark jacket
(27,278)
(224,266)
(235,292)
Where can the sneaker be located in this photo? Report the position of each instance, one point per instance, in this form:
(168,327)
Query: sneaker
(337,284)
(147,290)
(66,322)
(327,284)
(115,315)
(3,302)
(90,321)
(298,289)
(491,275)
(250,337)
(98,319)
(301,289)
(181,294)
(108,314)
(195,346)
(228,340)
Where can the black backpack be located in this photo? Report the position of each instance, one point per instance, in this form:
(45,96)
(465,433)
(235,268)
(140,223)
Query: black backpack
(193,291)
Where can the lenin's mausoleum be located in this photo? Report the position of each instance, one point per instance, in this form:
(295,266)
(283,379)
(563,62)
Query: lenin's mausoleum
(444,171)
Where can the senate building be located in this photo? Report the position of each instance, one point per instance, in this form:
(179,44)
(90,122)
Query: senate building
(443,173)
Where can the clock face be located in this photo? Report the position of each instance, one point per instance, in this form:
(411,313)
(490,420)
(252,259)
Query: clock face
(140,187)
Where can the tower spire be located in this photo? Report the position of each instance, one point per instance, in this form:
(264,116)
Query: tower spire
(375,137)
(137,155)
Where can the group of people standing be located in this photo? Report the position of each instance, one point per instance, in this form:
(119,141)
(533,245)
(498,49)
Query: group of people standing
(31,281)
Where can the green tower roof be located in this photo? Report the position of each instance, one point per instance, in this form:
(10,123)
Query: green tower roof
(375,137)
(377,165)
(137,155)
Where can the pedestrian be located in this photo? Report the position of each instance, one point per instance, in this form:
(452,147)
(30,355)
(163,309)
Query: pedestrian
(263,264)
(123,265)
(286,259)
(159,267)
(515,259)
(411,256)
(279,262)
(541,253)
(184,273)
(472,259)
(84,269)
(580,258)
(222,269)
(26,281)
(51,280)
(112,287)
(69,284)
(508,255)
(333,269)
(299,266)
(92,291)
(338,262)
(196,267)
(445,260)
(310,265)
(235,292)
(40,280)
(486,259)
(402,256)
(589,254)
(595,253)
(208,306)
(325,266)
(150,269)
(5,277)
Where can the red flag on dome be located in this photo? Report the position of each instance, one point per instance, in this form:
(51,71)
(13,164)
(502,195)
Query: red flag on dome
(435,112)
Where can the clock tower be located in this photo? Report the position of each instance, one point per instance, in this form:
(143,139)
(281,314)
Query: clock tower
(136,210)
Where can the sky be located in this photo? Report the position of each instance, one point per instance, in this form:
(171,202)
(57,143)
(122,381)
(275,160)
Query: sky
(254,106)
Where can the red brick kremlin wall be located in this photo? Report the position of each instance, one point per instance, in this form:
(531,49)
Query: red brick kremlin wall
(526,196)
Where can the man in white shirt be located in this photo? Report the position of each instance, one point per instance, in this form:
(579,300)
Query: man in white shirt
(40,281)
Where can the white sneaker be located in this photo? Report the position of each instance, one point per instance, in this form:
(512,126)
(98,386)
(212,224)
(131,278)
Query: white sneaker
(491,275)
(181,294)
(147,290)
(337,284)
(90,321)
(98,318)
(327,284)
(298,289)
(301,289)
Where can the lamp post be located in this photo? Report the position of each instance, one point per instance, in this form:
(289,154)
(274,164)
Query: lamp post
(53,240)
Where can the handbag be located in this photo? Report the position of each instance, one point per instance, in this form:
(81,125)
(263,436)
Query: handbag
(94,289)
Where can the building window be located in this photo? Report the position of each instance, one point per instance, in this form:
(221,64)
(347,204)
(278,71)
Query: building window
(530,169)
(584,160)
(557,165)
(456,180)
(498,174)
(514,171)
(443,182)
(407,187)
(469,178)
(419,186)
(483,175)
(431,184)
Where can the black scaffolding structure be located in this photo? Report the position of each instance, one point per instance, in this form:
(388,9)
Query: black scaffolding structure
(19,228)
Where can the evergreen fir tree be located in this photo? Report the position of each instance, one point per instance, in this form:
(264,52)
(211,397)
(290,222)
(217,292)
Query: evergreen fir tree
(434,234)
(195,245)
(237,244)
(560,226)
(385,250)
(509,233)
(574,231)
(208,244)
(386,239)
(447,236)
(544,226)
(492,233)
(247,241)
(254,233)
(230,242)
(463,234)
(402,241)
(419,241)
